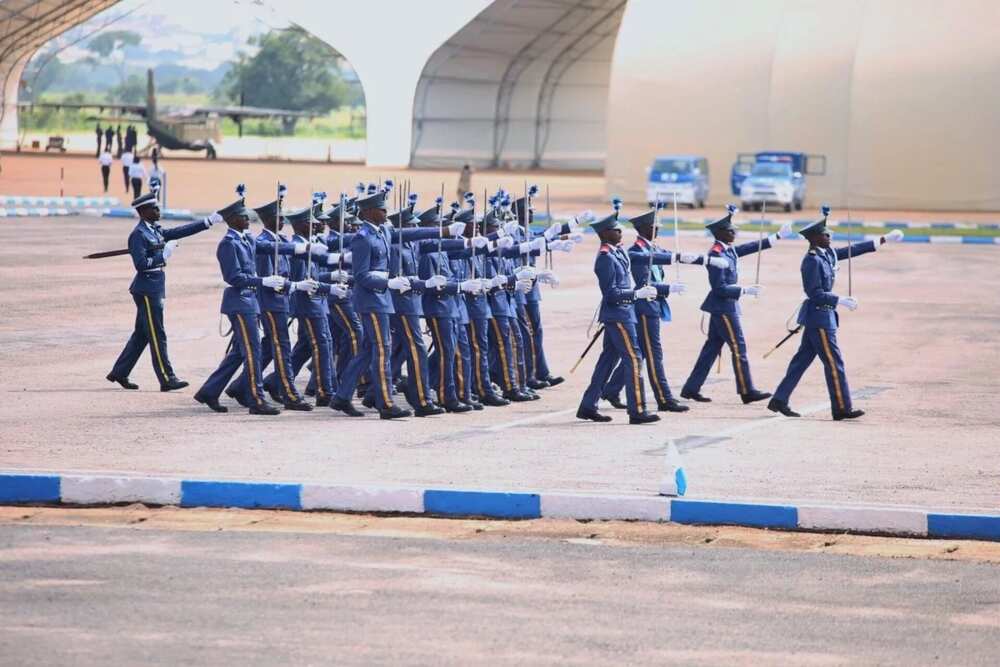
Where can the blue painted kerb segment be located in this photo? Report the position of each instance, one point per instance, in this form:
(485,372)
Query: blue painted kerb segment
(241,494)
(966,526)
(29,488)
(712,513)
(482,503)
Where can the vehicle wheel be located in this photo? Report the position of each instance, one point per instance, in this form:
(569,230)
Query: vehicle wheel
(798,205)
(788,208)
(701,203)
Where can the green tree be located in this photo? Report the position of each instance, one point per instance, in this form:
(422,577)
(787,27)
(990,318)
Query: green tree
(290,69)
(131,91)
(109,47)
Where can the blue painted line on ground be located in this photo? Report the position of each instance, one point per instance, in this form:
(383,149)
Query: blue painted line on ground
(987,240)
(968,526)
(740,514)
(483,503)
(916,238)
(241,494)
(943,225)
(30,488)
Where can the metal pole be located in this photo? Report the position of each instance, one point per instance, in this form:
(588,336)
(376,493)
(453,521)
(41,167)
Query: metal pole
(340,239)
(850,251)
(548,215)
(760,240)
(437,264)
(677,241)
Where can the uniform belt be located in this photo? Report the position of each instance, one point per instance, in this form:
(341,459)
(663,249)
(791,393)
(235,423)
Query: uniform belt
(159,268)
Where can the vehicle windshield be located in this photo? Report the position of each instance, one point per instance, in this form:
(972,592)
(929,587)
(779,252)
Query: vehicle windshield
(772,169)
(672,166)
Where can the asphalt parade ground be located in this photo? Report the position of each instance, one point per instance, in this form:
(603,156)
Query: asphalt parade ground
(133,585)
(920,354)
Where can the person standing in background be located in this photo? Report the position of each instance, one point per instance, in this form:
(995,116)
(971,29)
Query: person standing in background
(464,182)
(105,159)
(126,159)
(99,134)
(136,174)
(109,135)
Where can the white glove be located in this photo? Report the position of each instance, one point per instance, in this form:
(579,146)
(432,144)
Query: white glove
(646,292)
(525,273)
(380,275)
(510,227)
(848,302)
(168,249)
(537,244)
(338,290)
(786,231)
(689,257)
(399,283)
(318,249)
(586,217)
(553,231)
(576,237)
(471,286)
(214,218)
(894,236)
(523,286)
(548,277)
(339,275)
(752,290)
(274,282)
(718,262)
(479,242)
(301,247)
(348,256)
(309,286)
(677,288)
(499,280)
(487,283)
(456,229)
(505,242)
(561,246)
(435,282)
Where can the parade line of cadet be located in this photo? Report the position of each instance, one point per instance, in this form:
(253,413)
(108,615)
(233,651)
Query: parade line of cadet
(359,294)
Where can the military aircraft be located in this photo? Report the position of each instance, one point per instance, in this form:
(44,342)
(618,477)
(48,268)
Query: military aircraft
(189,129)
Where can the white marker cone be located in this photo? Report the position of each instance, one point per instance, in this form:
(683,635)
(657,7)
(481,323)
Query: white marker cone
(674,480)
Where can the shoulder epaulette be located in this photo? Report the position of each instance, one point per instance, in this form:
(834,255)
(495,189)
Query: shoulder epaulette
(605,248)
(641,242)
(717,247)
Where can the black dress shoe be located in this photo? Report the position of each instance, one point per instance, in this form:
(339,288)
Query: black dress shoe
(236,397)
(428,410)
(362,390)
(173,383)
(553,380)
(494,401)
(394,412)
(346,407)
(774,405)
(754,396)
(310,392)
(457,407)
(695,396)
(616,402)
(847,414)
(368,402)
(211,402)
(671,405)
(643,418)
(124,382)
(530,393)
(592,415)
(537,384)
(272,391)
(475,405)
(265,408)
(322,401)
(516,397)
(299,406)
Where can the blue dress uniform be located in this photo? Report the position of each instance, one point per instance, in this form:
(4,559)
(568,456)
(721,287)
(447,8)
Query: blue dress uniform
(502,350)
(529,317)
(616,313)
(649,315)
(723,307)
(148,289)
(345,325)
(237,260)
(275,344)
(441,312)
(819,319)
(478,333)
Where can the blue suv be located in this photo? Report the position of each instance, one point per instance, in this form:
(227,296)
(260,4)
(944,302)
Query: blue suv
(685,176)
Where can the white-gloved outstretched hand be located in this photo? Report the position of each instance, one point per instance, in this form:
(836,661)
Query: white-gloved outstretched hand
(169,248)
(309,286)
(677,288)
(548,277)
(553,231)
(479,242)
(718,262)
(274,282)
(525,273)
(455,229)
(505,243)
(435,282)
(213,219)
(499,280)
(646,292)
(399,283)
(471,286)
(895,236)
(752,290)
(848,302)
(510,227)
(688,257)
(786,231)
(523,286)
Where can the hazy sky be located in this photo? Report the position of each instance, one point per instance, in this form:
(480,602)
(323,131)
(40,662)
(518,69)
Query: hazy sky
(196,33)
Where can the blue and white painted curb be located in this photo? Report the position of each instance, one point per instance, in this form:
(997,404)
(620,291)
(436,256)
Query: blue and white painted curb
(58,202)
(78,489)
(165,214)
(20,212)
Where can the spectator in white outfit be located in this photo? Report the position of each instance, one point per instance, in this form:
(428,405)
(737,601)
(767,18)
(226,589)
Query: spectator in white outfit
(136,174)
(127,158)
(105,160)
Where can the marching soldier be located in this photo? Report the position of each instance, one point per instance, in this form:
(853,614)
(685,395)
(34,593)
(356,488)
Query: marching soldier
(237,260)
(723,307)
(819,319)
(646,260)
(150,247)
(617,316)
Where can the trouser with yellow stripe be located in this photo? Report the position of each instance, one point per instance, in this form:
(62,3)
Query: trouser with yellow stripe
(620,344)
(408,348)
(373,357)
(346,329)
(246,353)
(723,329)
(478,331)
(502,358)
(463,363)
(149,331)
(648,333)
(275,346)
(442,359)
(822,343)
(314,343)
